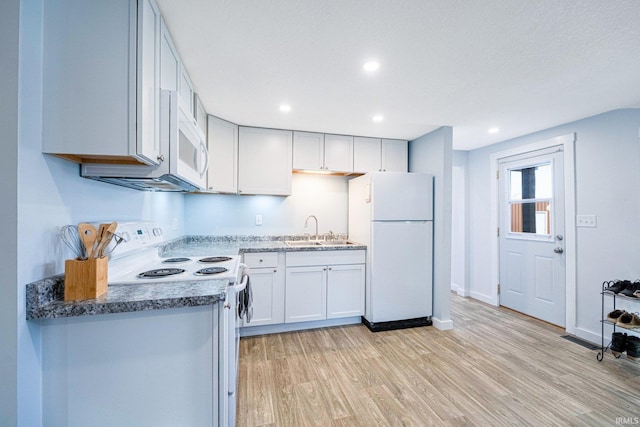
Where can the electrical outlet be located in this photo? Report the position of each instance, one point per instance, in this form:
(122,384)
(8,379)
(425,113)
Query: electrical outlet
(258,219)
(586,221)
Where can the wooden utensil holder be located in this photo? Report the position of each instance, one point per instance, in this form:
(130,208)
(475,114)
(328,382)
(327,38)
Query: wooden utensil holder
(85,279)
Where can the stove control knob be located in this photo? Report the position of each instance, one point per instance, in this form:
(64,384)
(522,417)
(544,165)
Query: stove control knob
(157,231)
(126,236)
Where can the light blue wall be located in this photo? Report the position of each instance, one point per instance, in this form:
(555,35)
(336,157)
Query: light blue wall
(607,176)
(432,153)
(9,32)
(50,194)
(326,197)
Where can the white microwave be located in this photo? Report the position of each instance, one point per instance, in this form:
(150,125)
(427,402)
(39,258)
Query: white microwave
(183,153)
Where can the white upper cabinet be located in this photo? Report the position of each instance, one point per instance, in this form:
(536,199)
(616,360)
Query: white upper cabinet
(222,139)
(148,106)
(366,154)
(338,153)
(395,155)
(380,155)
(101,78)
(169,61)
(308,151)
(264,161)
(320,152)
(185,92)
(200,114)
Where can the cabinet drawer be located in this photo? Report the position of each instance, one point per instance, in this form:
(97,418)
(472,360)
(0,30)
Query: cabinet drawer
(295,259)
(261,259)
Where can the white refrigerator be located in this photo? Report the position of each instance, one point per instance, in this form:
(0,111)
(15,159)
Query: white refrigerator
(392,213)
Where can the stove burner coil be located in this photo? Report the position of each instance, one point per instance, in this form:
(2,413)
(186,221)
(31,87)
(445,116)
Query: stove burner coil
(175,260)
(209,271)
(213,259)
(160,272)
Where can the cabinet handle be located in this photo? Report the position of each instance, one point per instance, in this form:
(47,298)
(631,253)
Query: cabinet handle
(324,269)
(329,268)
(260,260)
(160,158)
(227,306)
(275,270)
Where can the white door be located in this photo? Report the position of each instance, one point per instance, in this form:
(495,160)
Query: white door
(532,261)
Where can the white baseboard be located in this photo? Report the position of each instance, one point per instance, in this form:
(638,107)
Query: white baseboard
(463,292)
(460,290)
(249,331)
(484,298)
(591,336)
(443,325)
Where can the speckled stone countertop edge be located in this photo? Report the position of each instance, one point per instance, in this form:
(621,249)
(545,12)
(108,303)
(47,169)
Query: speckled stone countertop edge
(45,298)
(250,243)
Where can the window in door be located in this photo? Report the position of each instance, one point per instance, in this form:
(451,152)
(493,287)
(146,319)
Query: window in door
(530,201)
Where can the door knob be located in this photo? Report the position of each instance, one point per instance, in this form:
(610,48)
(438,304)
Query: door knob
(558,250)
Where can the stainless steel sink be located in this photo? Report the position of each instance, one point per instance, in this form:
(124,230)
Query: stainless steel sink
(337,243)
(301,243)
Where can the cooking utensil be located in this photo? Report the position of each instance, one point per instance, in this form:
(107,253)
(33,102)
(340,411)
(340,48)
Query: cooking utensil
(69,235)
(105,238)
(88,234)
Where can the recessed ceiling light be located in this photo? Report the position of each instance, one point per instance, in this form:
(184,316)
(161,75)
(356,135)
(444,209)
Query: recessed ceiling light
(285,108)
(378,118)
(494,130)
(371,66)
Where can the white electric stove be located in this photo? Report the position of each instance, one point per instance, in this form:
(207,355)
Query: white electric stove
(136,260)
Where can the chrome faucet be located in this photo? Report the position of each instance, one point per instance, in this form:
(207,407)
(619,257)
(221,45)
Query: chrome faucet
(306,224)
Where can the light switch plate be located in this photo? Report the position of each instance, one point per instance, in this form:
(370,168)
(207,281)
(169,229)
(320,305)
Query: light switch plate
(586,221)
(258,219)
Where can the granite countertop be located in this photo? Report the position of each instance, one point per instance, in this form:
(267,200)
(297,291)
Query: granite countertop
(45,298)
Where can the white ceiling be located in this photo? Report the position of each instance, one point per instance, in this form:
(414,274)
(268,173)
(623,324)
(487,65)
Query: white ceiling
(520,65)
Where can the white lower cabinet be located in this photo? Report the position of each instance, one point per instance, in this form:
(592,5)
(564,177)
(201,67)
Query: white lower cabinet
(324,285)
(345,290)
(267,285)
(305,294)
(146,368)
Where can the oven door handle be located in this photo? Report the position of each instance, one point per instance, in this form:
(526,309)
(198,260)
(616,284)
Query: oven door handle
(244,271)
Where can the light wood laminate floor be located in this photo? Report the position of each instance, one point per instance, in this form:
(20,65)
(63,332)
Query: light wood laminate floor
(496,367)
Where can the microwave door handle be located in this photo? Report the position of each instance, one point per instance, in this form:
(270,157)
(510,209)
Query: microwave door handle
(206,158)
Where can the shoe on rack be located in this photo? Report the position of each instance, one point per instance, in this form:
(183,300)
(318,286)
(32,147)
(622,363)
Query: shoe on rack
(629,321)
(618,286)
(633,347)
(618,343)
(615,315)
(630,289)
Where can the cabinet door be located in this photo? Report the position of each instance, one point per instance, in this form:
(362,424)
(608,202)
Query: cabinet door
(345,290)
(169,61)
(305,294)
(222,140)
(92,92)
(148,133)
(308,151)
(267,285)
(264,161)
(185,91)
(338,153)
(366,154)
(200,114)
(395,155)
